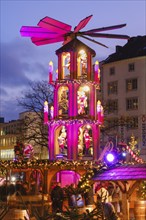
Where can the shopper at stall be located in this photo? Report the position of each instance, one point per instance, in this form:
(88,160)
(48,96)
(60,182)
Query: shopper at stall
(57,197)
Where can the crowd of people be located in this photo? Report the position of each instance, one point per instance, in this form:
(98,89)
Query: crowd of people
(20,188)
(104,193)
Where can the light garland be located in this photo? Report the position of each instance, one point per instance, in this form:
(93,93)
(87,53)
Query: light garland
(74,121)
(75,81)
(46,164)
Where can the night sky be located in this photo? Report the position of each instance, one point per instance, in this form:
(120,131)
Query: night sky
(22,61)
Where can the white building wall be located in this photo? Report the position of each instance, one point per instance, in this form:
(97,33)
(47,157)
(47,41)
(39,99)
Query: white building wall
(121,75)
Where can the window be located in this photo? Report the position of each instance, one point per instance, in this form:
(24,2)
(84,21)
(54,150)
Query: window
(112,87)
(112,71)
(112,106)
(132,123)
(132,103)
(131,84)
(131,67)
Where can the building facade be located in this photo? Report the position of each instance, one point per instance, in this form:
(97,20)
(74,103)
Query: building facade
(19,131)
(9,134)
(124,93)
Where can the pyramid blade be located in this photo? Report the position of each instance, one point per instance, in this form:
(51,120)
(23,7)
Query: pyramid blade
(117,36)
(105,28)
(54,25)
(26,31)
(44,41)
(82,23)
(94,41)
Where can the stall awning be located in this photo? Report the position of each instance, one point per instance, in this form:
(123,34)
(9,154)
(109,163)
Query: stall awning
(123,172)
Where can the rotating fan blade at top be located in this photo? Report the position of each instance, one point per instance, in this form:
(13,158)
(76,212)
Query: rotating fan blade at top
(105,28)
(117,36)
(54,25)
(43,41)
(94,41)
(82,24)
(37,32)
(50,30)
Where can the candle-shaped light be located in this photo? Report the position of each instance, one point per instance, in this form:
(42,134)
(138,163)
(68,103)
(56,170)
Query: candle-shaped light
(98,79)
(99,111)
(52,112)
(45,112)
(50,71)
(102,114)
(96,72)
(56,76)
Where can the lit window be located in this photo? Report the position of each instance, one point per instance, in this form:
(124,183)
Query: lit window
(131,84)
(132,103)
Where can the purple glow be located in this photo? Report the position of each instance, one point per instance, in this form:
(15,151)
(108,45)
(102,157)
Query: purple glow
(110,157)
(67,177)
(27,31)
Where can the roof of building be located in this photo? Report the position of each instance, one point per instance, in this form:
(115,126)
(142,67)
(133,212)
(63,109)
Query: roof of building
(75,45)
(135,47)
(123,172)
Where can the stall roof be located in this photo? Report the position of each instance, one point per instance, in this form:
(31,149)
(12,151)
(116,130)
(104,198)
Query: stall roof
(123,172)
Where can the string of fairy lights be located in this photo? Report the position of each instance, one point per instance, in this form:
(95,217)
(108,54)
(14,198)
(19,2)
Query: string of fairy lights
(47,164)
(73,121)
(88,166)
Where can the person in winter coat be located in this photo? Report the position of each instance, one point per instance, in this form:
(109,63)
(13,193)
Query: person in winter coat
(57,197)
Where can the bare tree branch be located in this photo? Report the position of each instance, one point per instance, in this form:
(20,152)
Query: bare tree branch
(32,102)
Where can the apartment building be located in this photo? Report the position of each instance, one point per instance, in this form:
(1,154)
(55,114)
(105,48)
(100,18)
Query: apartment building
(124,93)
